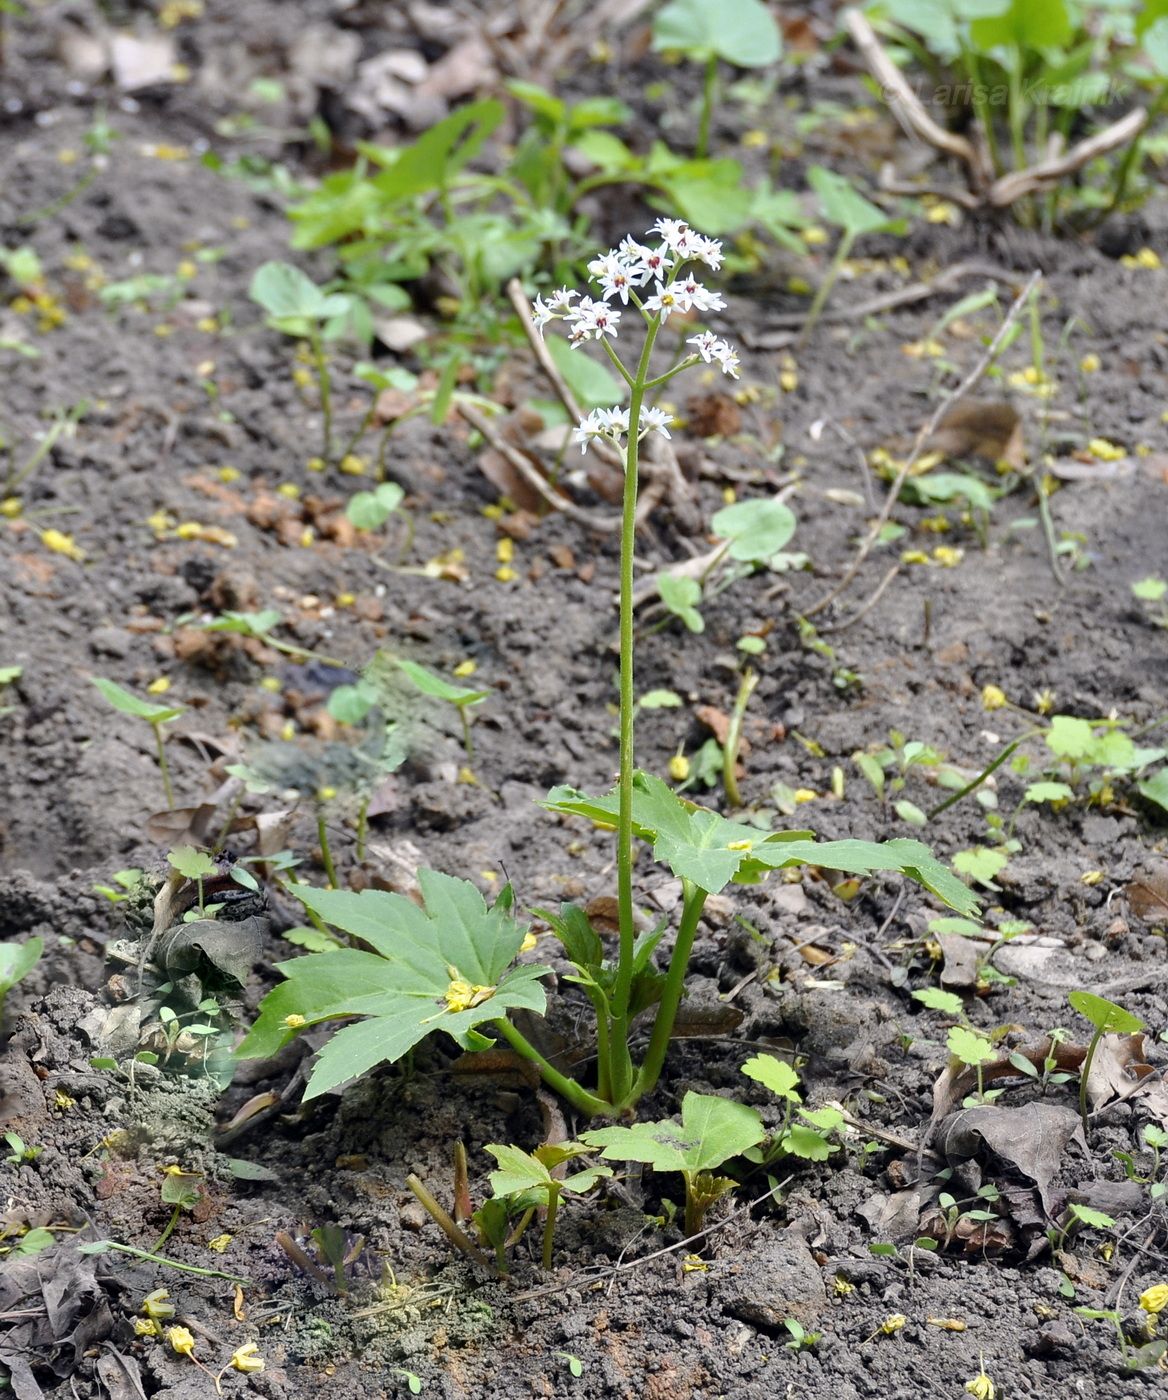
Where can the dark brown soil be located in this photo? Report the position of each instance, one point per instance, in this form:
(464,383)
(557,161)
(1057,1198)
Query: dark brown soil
(78,784)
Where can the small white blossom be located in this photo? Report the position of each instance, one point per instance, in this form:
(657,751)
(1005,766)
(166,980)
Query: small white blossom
(591,320)
(727,358)
(707,250)
(556,308)
(664,302)
(711,348)
(655,420)
(691,295)
(608,423)
(641,263)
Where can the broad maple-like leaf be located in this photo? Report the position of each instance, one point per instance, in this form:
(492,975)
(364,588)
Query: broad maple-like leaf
(709,850)
(441,967)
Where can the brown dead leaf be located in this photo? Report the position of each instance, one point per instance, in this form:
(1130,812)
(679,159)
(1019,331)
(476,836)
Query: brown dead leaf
(980,428)
(507,480)
(562,557)
(191,826)
(713,415)
(961,960)
(1147,893)
(1032,1138)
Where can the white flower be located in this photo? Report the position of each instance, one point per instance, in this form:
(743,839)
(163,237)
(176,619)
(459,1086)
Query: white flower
(591,320)
(557,306)
(676,234)
(711,348)
(655,420)
(705,344)
(727,358)
(692,295)
(707,250)
(613,276)
(643,264)
(663,302)
(607,423)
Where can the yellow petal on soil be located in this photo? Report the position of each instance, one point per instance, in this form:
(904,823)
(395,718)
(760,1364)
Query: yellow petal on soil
(289,490)
(159,686)
(1091,877)
(1155,1299)
(679,768)
(506,574)
(806,795)
(157,1304)
(981,1387)
(1090,364)
(146,1327)
(814,236)
(181,1341)
(505,550)
(1106,451)
(219,1243)
(247,1358)
(914,556)
(947,1324)
(465,668)
(948,556)
(992,697)
(529,944)
(352,465)
(60,543)
(10,507)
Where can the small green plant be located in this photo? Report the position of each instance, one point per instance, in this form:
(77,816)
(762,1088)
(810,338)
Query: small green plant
(967,1044)
(801,1339)
(180,1190)
(19,1152)
(855,216)
(9,674)
(1135,1356)
(739,32)
(15,473)
(1153,594)
(448,965)
(17,960)
(804,1132)
(296,306)
(526,1179)
(125,885)
(1107,1019)
(712,1131)
(156,716)
(259,626)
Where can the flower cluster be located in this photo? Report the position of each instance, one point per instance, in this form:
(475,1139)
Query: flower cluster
(630,266)
(613,423)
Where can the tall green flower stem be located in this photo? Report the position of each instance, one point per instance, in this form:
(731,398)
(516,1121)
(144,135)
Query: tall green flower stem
(620,1067)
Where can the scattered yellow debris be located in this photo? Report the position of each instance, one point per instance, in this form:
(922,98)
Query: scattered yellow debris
(247,1358)
(294,1021)
(947,1324)
(941,211)
(289,490)
(505,550)
(529,944)
(1155,1299)
(506,574)
(948,556)
(806,795)
(755,139)
(181,1341)
(981,1387)
(814,236)
(799,286)
(352,465)
(465,668)
(157,1304)
(1090,364)
(10,507)
(60,543)
(1105,451)
(679,768)
(1146,258)
(462,995)
(146,1327)
(219,1243)
(1091,877)
(992,697)
(159,686)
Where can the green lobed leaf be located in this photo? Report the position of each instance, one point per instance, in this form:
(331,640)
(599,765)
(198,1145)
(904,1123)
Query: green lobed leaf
(1070,737)
(937,999)
(969,1047)
(774,1074)
(681,596)
(1155,789)
(17,960)
(430,684)
(845,206)
(706,848)
(1048,792)
(711,1131)
(402,987)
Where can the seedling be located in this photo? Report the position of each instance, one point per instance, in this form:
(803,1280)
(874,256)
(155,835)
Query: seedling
(126,884)
(259,625)
(746,688)
(19,1151)
(681,597)
(574,1364)
(1153,594)
(712,1130)
(9,674)
(526,1179)
(855,216)
(740,32)
(17,960)
(810,1137)
(156,716)
(298,307)
(194,865)
(447,966)
(181,1190)
(460,696)
(1135,1357)
(1108,1019)
(801,1339)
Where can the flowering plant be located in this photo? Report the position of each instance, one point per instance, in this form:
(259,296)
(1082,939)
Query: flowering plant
(449,966)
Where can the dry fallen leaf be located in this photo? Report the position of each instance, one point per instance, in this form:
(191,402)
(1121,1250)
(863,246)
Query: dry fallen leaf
(980,428)
(1032,1138)
(1147,893)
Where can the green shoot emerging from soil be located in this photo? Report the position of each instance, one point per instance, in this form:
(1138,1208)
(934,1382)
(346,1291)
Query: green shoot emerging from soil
(448,966)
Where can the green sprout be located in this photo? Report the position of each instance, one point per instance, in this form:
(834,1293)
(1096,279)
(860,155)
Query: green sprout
(460,696)
(156,716)
(19,1151)
(528,1178)
(17,960)
(1108,1019)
